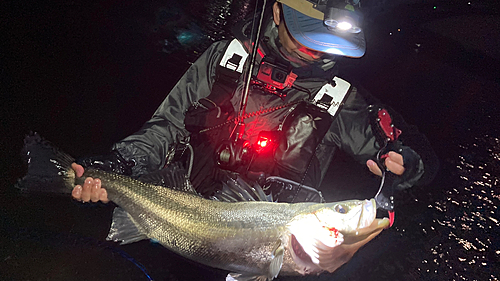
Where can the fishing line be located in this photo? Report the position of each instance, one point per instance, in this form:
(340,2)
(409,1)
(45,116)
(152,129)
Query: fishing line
(191,159)
(382,181)
(127,257)
(132,260)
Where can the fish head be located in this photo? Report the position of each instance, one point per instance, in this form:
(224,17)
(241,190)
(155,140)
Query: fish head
(347,216)
(328,236)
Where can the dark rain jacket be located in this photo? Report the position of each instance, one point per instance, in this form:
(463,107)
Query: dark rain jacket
(351,131)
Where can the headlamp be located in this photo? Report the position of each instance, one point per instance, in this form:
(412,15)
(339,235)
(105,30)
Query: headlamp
(337,15)
(328,26)
(341,17)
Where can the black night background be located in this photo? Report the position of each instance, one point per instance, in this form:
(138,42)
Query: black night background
(86,74)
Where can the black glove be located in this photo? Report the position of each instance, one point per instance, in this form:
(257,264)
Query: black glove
(414,169)
(112,162)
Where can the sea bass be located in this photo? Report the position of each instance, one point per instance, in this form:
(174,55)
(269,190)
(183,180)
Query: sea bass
(252,240)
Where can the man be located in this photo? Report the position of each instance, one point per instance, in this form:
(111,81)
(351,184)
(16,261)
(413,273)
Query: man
(198,108)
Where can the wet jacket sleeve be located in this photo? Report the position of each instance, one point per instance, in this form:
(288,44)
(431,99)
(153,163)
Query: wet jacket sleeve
(148,147)
(352,132)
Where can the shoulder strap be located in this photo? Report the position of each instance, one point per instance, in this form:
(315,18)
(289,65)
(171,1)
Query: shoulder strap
(235,56)
(228,72)
(332,96)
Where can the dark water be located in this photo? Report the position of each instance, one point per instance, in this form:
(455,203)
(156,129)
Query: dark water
(86,75)
(464,228)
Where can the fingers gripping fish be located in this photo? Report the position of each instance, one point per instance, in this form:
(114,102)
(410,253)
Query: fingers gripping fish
(252,240)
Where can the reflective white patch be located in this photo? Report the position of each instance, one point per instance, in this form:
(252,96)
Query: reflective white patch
(369,213)
(234,48)
(229,277)
(335,95)
(314,235)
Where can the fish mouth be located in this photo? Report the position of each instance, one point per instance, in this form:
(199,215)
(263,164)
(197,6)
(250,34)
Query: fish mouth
(368,214)
(370,228)
(361,216)
(367,225)
(326,249)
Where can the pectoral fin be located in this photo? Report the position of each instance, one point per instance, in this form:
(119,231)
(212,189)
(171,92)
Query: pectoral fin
(277,262)
(124,229)
(274,268)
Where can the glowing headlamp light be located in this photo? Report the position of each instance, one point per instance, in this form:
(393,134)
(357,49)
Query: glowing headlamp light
(328,26)
(342,19)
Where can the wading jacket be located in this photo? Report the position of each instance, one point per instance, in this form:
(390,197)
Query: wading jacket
(351,131)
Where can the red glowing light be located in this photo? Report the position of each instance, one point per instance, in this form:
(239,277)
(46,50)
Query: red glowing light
(246,143)
(263,141)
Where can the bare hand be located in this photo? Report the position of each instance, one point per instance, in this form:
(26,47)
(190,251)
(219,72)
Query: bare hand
(394,163)
(91,189)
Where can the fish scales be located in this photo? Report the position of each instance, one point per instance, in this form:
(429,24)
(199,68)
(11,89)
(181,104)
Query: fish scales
(254,240)
(200,229)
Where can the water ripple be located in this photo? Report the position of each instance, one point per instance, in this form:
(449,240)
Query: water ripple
(464,241)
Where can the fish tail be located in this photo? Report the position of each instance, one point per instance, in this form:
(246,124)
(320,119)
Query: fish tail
(49,169)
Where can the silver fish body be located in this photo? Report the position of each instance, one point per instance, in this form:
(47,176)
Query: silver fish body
(252,239)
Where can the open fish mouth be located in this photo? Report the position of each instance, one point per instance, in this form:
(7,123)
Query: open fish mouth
(368,223)
(318,244)
(369,212)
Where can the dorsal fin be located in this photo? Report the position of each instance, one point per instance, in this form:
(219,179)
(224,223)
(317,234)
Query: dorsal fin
(238,190)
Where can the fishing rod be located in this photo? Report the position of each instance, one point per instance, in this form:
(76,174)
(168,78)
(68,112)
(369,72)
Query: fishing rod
(240,127)
(234,151)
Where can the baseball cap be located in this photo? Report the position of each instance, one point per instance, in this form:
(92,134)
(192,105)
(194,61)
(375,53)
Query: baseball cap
(306,25)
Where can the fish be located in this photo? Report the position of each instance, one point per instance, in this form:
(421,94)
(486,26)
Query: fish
(252,240)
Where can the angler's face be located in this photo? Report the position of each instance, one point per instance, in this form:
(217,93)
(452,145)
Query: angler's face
(291,46)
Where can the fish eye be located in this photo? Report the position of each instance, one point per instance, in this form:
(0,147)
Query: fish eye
(340,209)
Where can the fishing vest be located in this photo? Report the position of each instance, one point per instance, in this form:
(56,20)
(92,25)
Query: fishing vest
(293,160)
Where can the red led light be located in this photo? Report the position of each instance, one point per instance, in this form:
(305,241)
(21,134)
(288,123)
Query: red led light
(246,144)
(263,142)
